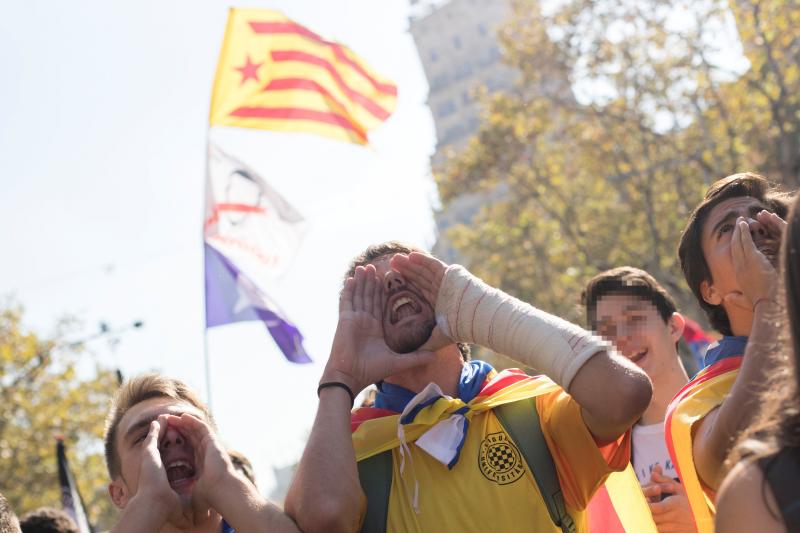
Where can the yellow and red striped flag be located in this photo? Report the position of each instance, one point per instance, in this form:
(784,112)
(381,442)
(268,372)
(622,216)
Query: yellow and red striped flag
(275,74)
(619,506)
(696,399)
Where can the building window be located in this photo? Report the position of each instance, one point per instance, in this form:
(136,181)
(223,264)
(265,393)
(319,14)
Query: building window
(439,81)
(452,133)
(433,56)
(482,30)
(462,71)
(457,42)
(446,108)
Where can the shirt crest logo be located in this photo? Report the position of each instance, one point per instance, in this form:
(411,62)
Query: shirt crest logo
(499,460)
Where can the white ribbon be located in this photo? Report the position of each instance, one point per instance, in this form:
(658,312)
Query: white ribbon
(441,441)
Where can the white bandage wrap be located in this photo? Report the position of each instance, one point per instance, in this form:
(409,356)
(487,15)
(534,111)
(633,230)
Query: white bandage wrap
(469,310)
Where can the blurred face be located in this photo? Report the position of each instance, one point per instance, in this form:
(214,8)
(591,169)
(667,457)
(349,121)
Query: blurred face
(408,319)
(716,244)
(177,453)
(636,328)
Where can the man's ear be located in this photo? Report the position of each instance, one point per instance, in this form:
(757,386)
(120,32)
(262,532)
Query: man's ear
(710,293)
(676,323)
(118,492)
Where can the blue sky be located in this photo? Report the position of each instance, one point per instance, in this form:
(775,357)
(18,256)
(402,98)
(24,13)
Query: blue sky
(103,135)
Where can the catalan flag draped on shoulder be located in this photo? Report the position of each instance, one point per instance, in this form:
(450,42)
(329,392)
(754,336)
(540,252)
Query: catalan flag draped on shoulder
(694,401)
(456,450)
(275,74)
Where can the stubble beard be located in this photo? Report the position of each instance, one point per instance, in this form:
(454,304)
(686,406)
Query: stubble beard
(411,338)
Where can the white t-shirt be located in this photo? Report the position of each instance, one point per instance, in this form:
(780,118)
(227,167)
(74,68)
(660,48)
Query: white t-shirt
(649,450)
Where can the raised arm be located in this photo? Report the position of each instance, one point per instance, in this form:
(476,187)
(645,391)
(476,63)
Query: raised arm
(155,502)
(326,494)
(223,488)
(716,433)
(612,391)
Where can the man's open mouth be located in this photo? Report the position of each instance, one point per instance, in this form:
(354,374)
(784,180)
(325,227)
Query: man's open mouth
(769,250)
(179,473)
(403,307)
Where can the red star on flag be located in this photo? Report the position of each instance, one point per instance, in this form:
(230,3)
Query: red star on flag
(249,70)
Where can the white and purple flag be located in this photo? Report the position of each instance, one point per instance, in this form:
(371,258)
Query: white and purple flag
(252,234)
(232,297)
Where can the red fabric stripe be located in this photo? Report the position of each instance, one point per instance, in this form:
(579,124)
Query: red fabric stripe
(296,113)
(670,445)
(726,365)
(227,207)
(240,208)
(295,55)
(361,415)
(603,517)
(693,332)
(285,84)
(291,27)
(286,27)
(508,377)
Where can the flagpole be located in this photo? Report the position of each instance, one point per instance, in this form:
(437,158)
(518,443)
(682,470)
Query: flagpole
(206,358)
(208,369)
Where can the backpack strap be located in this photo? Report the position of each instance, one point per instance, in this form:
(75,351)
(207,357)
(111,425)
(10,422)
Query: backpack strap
(521,421)
(375,474)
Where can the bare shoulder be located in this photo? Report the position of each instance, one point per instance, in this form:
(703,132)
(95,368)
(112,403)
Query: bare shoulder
(746,503)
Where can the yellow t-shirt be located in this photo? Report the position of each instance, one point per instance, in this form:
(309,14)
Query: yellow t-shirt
(491,489)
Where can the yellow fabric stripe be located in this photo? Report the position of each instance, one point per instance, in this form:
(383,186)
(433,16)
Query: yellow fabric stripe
(221,89)
(629,502)
(380,434)
(692,408)
(293,98)
(295,126)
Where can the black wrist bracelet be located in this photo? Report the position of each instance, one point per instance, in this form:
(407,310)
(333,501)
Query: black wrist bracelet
(340,385)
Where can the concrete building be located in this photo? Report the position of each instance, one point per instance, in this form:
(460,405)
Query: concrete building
(458,46)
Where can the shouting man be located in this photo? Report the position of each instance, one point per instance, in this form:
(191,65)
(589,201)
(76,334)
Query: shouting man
(170,472)
(728,252)
(452,445)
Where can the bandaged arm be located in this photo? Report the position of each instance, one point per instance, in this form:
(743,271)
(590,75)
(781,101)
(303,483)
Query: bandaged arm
(469,310)
(613,391)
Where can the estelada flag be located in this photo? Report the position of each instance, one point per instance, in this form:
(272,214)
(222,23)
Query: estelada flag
(694,401)
(275,74)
